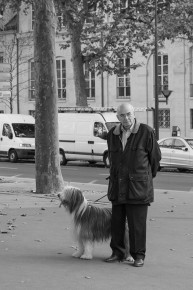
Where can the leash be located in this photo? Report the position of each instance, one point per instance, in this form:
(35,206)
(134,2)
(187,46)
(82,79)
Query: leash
(102,196)
(99,198)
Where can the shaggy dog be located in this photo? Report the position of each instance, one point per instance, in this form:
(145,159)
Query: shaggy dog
(92,224)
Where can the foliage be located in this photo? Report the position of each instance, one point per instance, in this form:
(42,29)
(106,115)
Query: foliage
(108,30)
(10,51)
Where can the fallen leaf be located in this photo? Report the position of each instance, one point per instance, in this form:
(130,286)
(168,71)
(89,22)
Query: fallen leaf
(12,227)
(4,232)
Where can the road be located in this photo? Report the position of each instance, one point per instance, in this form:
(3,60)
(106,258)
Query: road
(83,173)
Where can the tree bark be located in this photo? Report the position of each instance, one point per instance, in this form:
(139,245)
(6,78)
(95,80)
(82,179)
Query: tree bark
(48,173)
(79,79)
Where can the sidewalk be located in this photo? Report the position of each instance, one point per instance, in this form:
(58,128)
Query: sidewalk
(36,244)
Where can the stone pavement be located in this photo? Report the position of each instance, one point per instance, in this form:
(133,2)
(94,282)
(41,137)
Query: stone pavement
(36,244)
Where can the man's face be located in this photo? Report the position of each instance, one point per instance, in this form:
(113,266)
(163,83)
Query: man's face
(126,117)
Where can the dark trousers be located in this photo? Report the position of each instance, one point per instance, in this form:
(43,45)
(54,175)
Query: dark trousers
(136,217)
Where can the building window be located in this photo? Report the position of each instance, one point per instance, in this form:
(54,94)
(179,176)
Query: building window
(61,78)
(191,118)
(32,17)
(162,73)
(92,9)
(90,80)
(32,81)
(1,57)
(123,5)
(60,23)
(164,118)
(32,113)
(191,72)
(123,79)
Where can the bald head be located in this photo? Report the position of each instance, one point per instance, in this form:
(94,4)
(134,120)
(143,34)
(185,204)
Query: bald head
(125,108)
(126,115)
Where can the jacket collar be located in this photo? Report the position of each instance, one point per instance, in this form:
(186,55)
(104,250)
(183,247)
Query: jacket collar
(118,131)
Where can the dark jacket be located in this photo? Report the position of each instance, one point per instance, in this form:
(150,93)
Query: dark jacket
(132,170)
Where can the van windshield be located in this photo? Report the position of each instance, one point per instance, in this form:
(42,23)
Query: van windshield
(111,125)
(24,130)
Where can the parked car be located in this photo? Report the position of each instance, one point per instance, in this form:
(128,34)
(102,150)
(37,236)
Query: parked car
(177,152)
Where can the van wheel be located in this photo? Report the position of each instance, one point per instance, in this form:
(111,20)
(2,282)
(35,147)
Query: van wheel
(106,160)
(63,160)
(13,156)
(182,169)
(92,162)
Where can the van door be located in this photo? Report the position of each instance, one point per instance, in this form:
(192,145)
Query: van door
(6,141)
(67,137)
(84,140)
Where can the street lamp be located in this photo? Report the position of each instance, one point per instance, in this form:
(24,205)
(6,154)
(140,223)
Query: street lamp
(17,43)
(156,121)
(166,94)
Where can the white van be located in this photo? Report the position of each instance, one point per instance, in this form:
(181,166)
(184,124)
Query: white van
(82,136)
(17,136)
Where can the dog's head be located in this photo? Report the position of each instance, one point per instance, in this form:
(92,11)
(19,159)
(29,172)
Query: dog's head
(71,198)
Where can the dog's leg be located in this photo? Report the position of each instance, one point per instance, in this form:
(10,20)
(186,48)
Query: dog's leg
(79,251)
(128,256)
(88,250)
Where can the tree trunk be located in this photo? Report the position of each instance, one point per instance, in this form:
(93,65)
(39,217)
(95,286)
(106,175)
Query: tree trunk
(48,173)
(79,79)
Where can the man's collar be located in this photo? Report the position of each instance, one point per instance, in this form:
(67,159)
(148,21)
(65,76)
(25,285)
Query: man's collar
(128,130)
(118,130)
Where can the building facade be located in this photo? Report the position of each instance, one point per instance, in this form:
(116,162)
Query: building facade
(175,73)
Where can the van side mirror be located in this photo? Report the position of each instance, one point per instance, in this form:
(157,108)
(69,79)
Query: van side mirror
(185,149)
(101,134)
(10,135)
(104,135)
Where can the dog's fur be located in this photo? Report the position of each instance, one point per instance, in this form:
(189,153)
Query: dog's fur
(92,224)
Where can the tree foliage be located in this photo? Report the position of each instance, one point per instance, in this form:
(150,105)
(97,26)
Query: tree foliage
(106,30)
(13,59)
(109,31)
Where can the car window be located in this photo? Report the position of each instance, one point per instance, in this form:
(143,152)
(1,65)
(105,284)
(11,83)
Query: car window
(179,144)
(99,129)
(6,130)
(190,142)
(167,143)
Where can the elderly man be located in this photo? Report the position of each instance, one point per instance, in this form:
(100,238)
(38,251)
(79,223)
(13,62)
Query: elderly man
(134,157)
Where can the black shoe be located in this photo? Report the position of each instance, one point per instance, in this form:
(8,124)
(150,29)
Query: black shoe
(113,258)
(138,263)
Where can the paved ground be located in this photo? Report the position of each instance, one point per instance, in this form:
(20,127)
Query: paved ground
(36,244)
